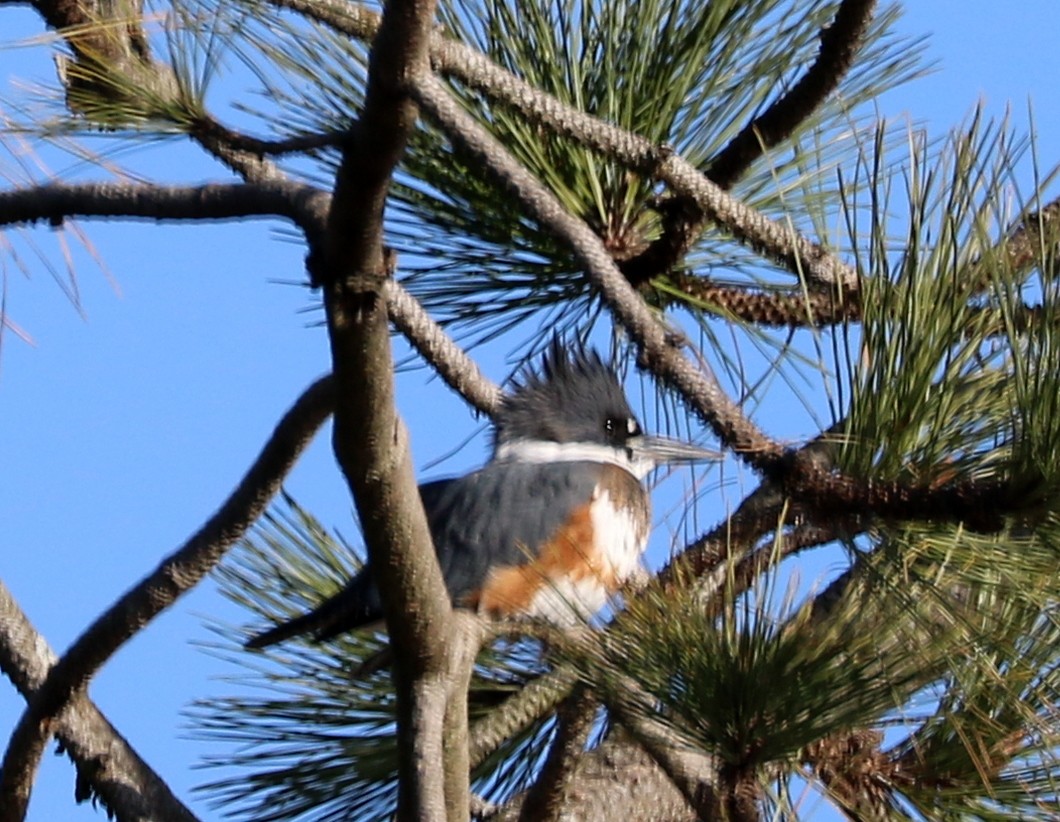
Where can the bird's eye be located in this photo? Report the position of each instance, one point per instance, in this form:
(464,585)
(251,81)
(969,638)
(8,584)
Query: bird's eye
(619,429)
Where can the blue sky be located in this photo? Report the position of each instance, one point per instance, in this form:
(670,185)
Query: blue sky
(125,427)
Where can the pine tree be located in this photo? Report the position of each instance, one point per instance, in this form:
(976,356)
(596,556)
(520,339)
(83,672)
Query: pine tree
(697,183)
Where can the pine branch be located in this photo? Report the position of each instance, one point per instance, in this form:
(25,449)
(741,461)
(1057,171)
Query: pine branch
(479,73)
(138,606)
(699,388)
(647,791)
(371,443)
(695,773)
(978,503)
(209,130)
(1036,232)
(840,43)
(107,766)
(532,702)
(438,349)
(302,204)
(682,224)
(546,800)
(982,505)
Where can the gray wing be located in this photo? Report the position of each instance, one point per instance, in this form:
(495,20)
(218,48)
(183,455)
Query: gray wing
(355,606)
(501,514)
(492,517)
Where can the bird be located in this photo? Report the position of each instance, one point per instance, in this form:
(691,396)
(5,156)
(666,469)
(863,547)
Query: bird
(556,521)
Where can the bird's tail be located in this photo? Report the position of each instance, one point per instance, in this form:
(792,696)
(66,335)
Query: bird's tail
(353,607)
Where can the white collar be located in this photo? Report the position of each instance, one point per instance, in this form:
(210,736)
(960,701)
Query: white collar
(540,451)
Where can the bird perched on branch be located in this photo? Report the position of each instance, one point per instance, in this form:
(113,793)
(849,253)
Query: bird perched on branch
(552,525)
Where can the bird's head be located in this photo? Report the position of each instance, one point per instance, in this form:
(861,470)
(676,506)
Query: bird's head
(574,408)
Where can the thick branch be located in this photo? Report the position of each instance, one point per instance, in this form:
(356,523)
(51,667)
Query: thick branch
(619,774)
(370,440)
(979,504)
(178,573)
(107,766)
(546,800)
(693,772)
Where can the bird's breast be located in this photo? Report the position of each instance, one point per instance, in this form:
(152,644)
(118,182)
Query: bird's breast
(569,577)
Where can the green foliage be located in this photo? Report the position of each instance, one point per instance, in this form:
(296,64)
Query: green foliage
(314,738)
(989,748)
(689,75)
(944,641)
(970,714)
(943,377)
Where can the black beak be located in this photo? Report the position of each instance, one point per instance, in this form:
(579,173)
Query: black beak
(659,450)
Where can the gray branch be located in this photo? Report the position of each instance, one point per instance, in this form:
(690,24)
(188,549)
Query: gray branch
(106,764)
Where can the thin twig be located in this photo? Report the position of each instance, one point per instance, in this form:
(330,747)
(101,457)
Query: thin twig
(451,362)
(175,575)
(841,40)
(532,702)
(210,132)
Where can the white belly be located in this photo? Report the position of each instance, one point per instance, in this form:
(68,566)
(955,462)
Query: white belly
(620,540)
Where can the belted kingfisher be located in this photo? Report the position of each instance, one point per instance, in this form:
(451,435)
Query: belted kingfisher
(552,525)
